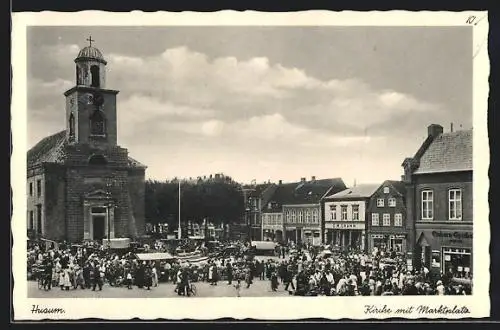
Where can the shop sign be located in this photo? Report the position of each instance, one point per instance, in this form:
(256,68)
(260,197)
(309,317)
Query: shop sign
(452,235)
(349,226)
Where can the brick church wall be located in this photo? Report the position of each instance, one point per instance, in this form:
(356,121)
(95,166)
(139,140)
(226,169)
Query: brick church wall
(55,198)
(136,187)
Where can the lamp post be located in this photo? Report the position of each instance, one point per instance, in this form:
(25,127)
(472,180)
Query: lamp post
(108,205)
(247,220)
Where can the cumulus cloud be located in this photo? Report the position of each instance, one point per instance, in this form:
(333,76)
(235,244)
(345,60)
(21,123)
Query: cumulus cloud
(186,96)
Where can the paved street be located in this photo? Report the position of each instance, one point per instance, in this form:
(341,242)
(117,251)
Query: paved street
(258,289)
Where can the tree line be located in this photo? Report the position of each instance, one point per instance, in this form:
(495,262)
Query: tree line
(219,200)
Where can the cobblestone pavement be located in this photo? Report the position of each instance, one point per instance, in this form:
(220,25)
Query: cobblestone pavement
(164,290)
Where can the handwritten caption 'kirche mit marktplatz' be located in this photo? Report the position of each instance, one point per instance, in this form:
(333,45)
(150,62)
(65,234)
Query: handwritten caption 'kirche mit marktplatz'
(421,310)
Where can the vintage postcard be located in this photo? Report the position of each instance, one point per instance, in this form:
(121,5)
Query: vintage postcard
(271,166)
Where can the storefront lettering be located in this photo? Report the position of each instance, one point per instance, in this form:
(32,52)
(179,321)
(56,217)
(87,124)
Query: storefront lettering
(452,235)
(348,226)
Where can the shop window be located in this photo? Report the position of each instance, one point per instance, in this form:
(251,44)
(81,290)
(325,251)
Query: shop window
(386,218)
(457,261)
(380,202)
(396,244)
(343,210)
(379,241)
(392,202)
(455,204)
(398,220)
(355,212)
(427,205)
(436,259)
(375,219)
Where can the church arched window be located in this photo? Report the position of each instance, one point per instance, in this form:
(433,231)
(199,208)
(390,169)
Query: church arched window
(97,123)
(98,160)
(77,75)
(71,125)
(94,71)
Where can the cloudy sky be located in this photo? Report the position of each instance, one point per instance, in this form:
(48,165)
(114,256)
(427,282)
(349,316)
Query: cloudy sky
(264,103)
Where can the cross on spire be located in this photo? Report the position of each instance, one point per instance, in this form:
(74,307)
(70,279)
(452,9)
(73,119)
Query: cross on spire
(90,40)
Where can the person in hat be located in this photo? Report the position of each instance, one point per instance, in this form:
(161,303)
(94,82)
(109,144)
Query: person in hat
(440,289)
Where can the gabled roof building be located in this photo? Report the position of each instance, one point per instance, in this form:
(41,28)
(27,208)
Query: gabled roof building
(439,194)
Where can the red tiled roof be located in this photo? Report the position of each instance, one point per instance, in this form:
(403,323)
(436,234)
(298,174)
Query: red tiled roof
(449,152)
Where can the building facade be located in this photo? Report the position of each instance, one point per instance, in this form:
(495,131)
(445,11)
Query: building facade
(81,184)
(272,222)
(440,201)
(256,197)
(386,218)
(345,216)
(302,219)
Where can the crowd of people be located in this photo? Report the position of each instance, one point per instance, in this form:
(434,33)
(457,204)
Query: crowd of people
(299,270)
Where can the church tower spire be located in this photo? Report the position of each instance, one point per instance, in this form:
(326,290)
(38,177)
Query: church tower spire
(90,66)
(90,107)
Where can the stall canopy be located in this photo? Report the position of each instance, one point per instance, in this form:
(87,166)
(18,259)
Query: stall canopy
(154,256)
(264,245)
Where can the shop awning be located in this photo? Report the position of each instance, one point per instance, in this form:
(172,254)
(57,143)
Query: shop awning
(154,256)
(264,245)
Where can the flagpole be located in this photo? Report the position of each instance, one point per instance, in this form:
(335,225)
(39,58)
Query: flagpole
(179,236)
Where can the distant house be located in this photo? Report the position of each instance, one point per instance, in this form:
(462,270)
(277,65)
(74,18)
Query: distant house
(439,194)
(386,218)
(345,216)
(256,198)
(301,204)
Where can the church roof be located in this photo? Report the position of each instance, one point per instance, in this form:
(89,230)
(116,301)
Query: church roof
(48,150)
(90,53)
(51,150)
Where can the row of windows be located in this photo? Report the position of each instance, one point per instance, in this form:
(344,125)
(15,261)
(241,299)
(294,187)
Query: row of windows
(300,216)
(386,219)
(38,188)
(343,212)
(272,219)
(391,202)
(454,204)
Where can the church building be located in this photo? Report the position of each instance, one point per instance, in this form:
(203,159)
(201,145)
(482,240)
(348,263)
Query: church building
(81,185)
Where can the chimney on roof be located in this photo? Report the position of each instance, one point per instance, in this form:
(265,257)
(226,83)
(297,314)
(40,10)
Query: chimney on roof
(434,130)
(280,182)
(302,179)
(451,127)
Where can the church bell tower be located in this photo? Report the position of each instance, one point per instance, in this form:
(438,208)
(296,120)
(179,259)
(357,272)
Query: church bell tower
(91,116)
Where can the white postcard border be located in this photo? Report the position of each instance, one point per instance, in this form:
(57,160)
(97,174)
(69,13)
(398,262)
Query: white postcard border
(283,308)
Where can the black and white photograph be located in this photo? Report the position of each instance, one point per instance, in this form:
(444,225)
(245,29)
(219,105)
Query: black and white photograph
(250,155)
